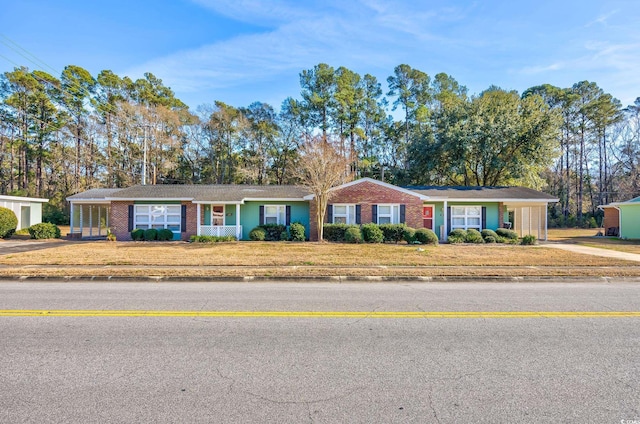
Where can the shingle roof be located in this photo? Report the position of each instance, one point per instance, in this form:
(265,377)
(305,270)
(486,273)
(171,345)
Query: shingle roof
(205,193)
(94,194)
(481,193)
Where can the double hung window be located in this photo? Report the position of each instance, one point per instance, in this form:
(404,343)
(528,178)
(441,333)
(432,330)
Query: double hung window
(388,214)
(344,214)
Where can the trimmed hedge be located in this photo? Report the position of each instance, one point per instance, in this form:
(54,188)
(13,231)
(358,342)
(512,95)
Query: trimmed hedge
(273,232)
(392,232)
(457,236)
(372,233)
(473,236)
(8,223)
(336,232)
(137,234)
(297,232)
(507,234)
(426,236)
(529,240)
(150,234)
(44,230)
(353,235)
(165,234)
(489,233)
(258,234)
(409,235)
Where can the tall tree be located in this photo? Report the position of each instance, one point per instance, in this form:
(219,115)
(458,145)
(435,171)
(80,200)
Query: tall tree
(318,89)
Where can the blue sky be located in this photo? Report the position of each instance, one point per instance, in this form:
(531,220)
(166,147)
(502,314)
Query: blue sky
(241,51)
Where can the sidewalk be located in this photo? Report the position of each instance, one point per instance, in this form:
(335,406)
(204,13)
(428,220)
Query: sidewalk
(594,251)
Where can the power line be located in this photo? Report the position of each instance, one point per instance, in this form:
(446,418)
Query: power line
(37,62)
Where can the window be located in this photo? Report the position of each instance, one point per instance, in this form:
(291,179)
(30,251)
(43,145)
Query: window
(388,214)
(466,217)
(344,214)
(158,217)
(275,214)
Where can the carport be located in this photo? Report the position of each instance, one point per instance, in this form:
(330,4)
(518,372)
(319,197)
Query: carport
(90,213)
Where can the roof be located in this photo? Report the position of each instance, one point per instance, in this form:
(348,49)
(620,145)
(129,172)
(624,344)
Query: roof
(371,180)
(634,201)
(231,193)
(23,199)
(483,193)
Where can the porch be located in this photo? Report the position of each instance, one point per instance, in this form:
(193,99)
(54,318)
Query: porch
(218,219)
(89,220)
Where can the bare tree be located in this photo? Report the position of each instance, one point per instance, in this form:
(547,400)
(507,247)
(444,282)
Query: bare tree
(321,167)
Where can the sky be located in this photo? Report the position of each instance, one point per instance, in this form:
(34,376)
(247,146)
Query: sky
(242,51)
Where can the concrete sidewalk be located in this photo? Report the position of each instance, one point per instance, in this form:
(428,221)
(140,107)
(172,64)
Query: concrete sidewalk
(594,251)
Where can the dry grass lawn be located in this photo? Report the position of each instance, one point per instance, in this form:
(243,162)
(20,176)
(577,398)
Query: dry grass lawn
(587,237)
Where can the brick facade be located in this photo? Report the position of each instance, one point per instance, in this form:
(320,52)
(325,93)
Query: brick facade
(366,194)
(120,220)
(611,218)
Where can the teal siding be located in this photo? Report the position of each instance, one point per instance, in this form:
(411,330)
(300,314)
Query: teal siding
(492,213)
(230,215)
(250,215)
(630,221)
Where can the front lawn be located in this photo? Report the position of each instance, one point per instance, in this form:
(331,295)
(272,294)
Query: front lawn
(587,237)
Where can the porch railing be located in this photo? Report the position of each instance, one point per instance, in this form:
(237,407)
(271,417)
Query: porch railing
(221,230)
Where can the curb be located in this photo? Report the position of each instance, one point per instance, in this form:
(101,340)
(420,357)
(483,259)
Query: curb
(328,279)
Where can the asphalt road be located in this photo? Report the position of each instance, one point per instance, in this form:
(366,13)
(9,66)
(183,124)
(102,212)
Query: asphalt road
(319,369)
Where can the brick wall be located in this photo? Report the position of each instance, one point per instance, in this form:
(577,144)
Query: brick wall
(367,194)
(611,218)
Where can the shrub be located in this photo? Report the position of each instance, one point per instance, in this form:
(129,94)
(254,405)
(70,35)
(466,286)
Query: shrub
(257,234)
(44,230)
(8,222)
(591,223)
(54,215)
(489,233)
(273,232)
(110,236)
(490,239)
(353,235)
(165,234)
(284,236)
(426,236)
(211,239)
(151,234)
(137,234)
(335,232)
(529,240)
(371,233)
(297,230)
(507,234)
(473,236)
(409,235)
(457,236)
(392,232)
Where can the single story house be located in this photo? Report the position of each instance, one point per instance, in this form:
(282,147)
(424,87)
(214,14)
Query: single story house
(28,210)
(237,209)
(622,219)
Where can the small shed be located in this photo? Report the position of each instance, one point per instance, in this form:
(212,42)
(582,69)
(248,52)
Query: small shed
(622,219)
(28,210)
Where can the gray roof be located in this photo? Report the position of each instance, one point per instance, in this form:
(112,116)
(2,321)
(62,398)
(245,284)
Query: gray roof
(210,193)
(94,194)
(482,193)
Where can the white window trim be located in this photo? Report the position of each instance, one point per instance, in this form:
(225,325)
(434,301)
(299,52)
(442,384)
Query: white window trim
(395,213)
(157,210)
(466,216)
(281,212)
(350,216)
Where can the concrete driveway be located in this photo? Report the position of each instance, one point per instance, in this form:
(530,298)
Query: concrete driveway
(595,251)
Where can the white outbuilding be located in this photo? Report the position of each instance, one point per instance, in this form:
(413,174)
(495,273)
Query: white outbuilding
(28,210)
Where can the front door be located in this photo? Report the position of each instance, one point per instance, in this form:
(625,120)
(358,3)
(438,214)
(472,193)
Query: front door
(427,217)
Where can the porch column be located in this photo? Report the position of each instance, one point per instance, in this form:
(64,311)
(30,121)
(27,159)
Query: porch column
(99,221)
(81,218)
(198,205)
(238,235)
(71,220)
(446,220)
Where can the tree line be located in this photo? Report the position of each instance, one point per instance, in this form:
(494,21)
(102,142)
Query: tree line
(60,135)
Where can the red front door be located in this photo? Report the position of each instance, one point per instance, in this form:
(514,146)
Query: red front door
(427,217)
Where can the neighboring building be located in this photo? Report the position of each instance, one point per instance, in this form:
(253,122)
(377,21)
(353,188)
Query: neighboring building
(237,209)
(28,210)
(622,219)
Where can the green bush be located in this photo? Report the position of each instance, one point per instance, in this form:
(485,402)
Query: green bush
(409,235)
(284,236)
(151,234)
(137,234)
(211,239)
(490,239)
(44,230)
(426,236)
(273,232)
(529,240)
(371,233)
(591,223)
(507,234)
(8,223)
(257,234)
(297,230)
(489,233)
(473,236)
(54,215)
(392,232)
(457,236)
(353,235)
(165,234)
(335,232)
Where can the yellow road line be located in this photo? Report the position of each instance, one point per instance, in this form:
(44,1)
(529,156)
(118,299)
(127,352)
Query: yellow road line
(320,314)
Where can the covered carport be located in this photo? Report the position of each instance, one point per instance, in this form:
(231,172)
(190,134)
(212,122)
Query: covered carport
(90,213)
